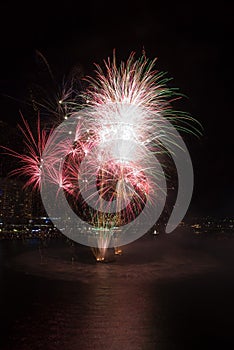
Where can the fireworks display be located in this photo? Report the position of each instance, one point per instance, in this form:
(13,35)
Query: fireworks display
(102,158)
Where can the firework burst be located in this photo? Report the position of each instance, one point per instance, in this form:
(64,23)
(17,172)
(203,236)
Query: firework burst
(103,156)
(30,162)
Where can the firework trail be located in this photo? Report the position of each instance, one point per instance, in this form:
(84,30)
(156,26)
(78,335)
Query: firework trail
(54,98)
(104,156)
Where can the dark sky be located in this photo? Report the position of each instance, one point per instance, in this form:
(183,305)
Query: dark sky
(193,42)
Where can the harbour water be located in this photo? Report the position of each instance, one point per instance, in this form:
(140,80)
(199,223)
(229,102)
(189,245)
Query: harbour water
(164,293)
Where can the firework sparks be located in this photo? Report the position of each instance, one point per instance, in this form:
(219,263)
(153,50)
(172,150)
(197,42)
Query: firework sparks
(30,163)
(103,158)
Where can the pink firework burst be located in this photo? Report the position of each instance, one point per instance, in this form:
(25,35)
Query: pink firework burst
(114,138)
(31,162)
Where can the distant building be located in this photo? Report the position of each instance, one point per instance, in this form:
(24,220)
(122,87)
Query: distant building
(15,203)
(38,209)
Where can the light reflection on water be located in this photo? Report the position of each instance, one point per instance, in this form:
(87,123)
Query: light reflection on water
(106,313)
(113,311)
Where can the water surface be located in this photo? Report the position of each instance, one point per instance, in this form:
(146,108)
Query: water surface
(162,293)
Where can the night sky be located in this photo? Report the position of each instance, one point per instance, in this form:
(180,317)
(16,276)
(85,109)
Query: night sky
(193,43)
